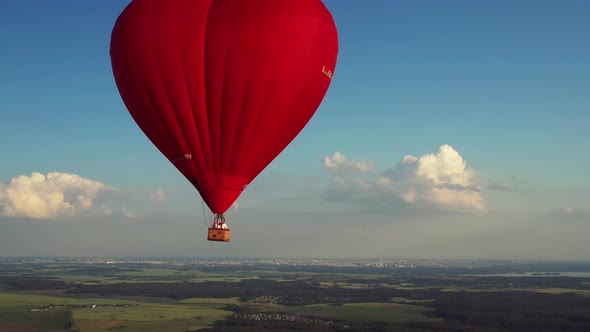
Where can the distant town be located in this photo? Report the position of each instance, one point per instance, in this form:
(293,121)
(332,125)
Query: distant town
(517,265)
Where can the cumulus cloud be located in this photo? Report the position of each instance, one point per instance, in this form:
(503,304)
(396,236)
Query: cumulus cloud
(338,164)
(439,180)
(158,196)
(50,196)
(571,213)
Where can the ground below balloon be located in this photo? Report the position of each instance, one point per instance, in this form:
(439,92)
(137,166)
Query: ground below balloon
(144,295)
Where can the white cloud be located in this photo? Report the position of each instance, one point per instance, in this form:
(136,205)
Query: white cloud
(130,214)
(571,213)
(339,164)
(50,196)
(158,196)
(432,181)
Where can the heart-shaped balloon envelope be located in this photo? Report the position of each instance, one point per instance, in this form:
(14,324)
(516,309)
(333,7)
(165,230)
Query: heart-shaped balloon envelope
(221,87)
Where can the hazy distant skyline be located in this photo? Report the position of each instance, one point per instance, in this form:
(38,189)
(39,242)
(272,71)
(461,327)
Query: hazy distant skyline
(451,130)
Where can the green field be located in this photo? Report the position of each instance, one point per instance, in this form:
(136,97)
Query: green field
(15,313)
(387,312)
(150,316)
(583,292)
(210,301)
(191,314)
(409,301)
(345,285)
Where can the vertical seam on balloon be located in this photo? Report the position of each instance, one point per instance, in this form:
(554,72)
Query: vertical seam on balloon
(199,165)
(222,106)
(192,165)
(260,113)
(234,161)
(170,103)
(121,39)
(211,120)
(205,124)
(154,114)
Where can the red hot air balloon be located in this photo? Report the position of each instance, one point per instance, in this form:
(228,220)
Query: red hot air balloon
(221,87)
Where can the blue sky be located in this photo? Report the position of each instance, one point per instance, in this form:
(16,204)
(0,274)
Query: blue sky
(504,84)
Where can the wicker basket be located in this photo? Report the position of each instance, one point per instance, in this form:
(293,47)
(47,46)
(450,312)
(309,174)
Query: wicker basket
(216,234)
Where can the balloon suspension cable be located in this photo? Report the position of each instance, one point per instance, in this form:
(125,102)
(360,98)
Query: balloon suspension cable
(207,214)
